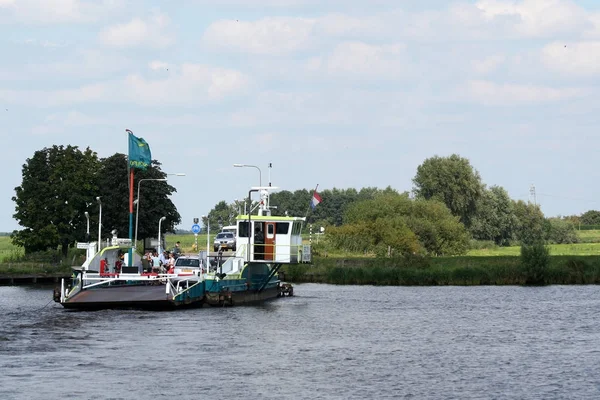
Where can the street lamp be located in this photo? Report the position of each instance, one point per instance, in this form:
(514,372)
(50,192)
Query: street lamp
(87,233)
(253,166)
(99,224)
(159,242)
(137,201)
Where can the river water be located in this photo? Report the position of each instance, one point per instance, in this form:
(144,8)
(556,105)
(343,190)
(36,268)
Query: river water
(326,342)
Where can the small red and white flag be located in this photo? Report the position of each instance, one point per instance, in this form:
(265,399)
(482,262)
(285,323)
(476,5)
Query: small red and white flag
(316,199)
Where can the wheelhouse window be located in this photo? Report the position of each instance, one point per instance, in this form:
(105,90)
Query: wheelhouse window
(282,228)
(243,229)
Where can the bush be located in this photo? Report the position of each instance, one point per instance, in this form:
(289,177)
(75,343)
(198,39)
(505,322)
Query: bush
(561,232)
(535,259)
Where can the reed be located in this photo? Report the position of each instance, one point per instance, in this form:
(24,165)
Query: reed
(460,271)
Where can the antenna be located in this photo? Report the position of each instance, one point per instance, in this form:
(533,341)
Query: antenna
(270,166)
(532,194)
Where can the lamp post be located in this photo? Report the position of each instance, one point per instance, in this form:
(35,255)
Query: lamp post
(159,242)
(87,233)
(253,166)
(137,201)
(99,224)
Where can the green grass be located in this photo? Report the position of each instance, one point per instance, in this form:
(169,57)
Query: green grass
(187,242)
(577,249)
(464,270)
(8,250)
(591,236)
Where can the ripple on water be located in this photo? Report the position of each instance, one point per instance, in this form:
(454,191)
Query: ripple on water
(327,342)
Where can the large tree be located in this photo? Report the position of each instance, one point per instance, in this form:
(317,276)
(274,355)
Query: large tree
(154,201)
(495,217)
(591,217)
(221,215)
(453,181)
(59,183)
(531,224)
(332,208)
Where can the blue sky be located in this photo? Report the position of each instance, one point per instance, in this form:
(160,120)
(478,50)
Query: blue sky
(339,93)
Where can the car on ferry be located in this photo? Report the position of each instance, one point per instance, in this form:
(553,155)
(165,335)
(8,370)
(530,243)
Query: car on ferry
(185,265)
(225,241)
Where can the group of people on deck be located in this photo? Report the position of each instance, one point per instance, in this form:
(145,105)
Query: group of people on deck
(161,263)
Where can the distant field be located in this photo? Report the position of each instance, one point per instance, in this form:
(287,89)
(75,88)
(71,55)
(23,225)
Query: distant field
(590,246)
(578,249)
(589,236)
(7,248)
(187,242)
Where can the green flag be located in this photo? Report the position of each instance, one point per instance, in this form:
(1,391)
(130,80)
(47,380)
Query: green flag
(139,152)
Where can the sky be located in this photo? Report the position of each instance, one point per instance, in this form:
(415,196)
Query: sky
(339,93)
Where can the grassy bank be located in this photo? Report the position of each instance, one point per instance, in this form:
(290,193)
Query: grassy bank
(466,270)
(577,249)
(569,264)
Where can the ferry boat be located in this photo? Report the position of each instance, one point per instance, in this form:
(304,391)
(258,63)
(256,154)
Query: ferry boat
(264,243)
(250,275)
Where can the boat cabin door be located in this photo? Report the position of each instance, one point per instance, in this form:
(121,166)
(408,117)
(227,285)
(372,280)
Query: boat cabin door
(269,240)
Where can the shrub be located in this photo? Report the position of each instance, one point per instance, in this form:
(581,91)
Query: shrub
(535,259)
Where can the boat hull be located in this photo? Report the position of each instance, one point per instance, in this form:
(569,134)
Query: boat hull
(227,298)
(150,297)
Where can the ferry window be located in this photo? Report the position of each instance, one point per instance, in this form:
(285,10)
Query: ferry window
(270,229)
(243,229)
(282,228)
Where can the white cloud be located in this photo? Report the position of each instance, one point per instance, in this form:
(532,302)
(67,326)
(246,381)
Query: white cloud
(57,122)
(54,98)
(357,59)
(273,35)
(188,84)
(491,93)
(581,58)
(152,32)
(57,11)
(537,17)
(157,65)
(594,31)
(488,64)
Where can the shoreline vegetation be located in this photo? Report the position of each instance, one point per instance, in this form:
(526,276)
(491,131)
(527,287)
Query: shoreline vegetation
(445,271)
(567,264)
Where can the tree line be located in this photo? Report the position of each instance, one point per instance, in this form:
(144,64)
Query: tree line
(449,210)
(60,184)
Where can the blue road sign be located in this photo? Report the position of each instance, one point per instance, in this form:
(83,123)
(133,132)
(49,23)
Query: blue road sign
(196,228)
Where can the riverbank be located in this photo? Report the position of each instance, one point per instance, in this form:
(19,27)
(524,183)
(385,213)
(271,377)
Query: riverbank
(458,271)
(438,271)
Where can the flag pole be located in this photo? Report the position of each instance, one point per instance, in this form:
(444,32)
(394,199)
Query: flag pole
(130,170)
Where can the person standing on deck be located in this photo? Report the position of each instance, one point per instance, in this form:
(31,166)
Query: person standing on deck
(177,250)
(164,257)
(155,262)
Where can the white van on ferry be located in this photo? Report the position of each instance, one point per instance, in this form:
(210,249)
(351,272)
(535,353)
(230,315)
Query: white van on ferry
(230,228)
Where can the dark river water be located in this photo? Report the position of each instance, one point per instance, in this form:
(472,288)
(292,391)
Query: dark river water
(327,342)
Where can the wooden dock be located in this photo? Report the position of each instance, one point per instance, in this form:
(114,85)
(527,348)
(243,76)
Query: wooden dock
(31,279)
